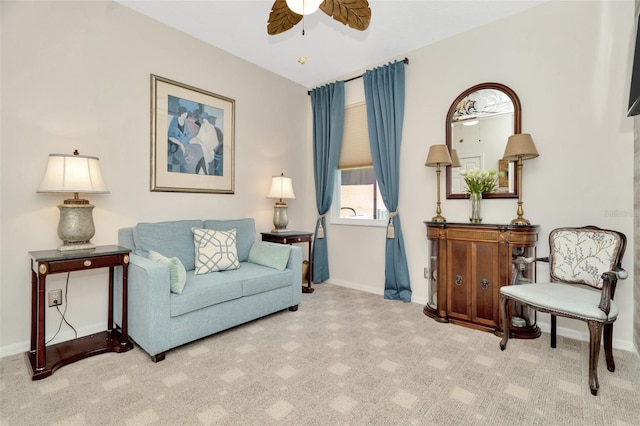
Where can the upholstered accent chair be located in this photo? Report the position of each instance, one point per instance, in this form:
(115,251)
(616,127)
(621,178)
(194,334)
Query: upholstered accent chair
(585,266)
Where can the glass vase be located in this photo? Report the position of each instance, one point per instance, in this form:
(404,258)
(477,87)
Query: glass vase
(475,214)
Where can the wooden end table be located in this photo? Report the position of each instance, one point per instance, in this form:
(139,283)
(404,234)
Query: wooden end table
(293,237)
(44,360)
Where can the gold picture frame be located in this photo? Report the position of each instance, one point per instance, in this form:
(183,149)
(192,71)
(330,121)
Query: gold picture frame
(192,139)
(503,166)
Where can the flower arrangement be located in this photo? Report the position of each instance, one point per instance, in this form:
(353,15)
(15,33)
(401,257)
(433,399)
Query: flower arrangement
(481,181)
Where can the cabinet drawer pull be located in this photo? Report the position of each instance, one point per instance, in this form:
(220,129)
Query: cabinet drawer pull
(458,280)
(87,263)
(484,283)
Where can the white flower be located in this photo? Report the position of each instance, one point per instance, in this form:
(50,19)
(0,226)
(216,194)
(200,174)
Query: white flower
(481,181)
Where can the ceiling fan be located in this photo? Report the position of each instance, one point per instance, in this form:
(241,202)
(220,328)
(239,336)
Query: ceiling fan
(354,13)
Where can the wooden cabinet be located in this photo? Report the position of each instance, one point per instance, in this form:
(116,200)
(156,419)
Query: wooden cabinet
(469,264)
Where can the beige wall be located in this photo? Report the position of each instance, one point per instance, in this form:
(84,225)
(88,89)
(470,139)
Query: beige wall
(569,63)
(77,75)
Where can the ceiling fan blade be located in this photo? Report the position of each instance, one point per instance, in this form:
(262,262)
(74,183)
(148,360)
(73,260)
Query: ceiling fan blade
(281,18)
(354,13)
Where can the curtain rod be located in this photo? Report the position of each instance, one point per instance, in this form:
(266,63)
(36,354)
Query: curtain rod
(405,60)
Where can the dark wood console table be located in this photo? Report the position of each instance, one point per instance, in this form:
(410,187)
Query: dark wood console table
(469,263)
(44,360)
(292,237)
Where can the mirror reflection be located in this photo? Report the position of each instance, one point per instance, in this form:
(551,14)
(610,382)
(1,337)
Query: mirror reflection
(478,125)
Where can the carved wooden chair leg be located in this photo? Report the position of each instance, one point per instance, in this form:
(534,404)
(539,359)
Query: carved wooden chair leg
(608,350)
(595,335)
(553,330)
(505,313)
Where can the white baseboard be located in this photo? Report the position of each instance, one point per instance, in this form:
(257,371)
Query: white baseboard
(584,336)
(62,336)
(367,289)
(354,286)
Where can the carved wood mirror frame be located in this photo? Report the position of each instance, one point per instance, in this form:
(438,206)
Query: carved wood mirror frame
(517,126)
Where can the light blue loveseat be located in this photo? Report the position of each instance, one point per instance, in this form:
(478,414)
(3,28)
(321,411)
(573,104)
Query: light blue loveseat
(159,320)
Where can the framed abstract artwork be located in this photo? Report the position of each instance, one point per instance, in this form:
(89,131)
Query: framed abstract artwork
(192,139)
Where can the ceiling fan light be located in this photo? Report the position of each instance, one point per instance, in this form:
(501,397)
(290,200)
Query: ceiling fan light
(304,7)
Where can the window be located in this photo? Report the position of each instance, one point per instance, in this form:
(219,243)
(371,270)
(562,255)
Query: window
(360,196)
(357,199)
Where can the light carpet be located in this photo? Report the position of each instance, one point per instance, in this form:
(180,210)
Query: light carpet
(344,358)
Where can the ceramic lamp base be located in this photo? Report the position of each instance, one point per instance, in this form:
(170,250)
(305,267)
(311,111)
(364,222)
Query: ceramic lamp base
(280,218)
(76,227)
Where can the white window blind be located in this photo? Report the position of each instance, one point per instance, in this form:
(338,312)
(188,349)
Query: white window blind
(355,151)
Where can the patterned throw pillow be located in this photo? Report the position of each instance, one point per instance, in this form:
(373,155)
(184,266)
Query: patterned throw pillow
(215,250)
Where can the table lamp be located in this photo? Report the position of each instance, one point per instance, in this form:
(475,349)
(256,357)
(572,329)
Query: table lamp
(455,160)
(74,174)
(281,189)
(520,147)
(438,156)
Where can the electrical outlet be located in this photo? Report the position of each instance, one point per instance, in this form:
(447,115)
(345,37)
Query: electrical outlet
(426,273)
(55,297)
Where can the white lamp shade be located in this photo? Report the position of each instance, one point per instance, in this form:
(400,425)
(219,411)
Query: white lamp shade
(304,7)
(520,146)
(281,188)
(73,173)
(438,156)
(455,160)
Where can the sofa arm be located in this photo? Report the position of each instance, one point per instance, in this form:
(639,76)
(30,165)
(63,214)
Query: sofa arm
(149,304)
(295,264)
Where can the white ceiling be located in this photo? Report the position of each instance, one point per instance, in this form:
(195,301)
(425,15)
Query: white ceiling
(333,50)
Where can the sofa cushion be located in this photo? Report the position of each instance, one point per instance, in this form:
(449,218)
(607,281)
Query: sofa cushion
(245,233)
(205,290)
(258,279)
(269,254)
(172,239)
(215,250)
(265,280)
(177,273)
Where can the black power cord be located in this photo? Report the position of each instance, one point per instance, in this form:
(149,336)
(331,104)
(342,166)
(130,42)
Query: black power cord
(63,313)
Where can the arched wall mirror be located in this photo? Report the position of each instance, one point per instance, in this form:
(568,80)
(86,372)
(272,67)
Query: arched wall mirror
(479,122)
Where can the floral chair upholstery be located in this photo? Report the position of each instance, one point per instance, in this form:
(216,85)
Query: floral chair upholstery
(580,260)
